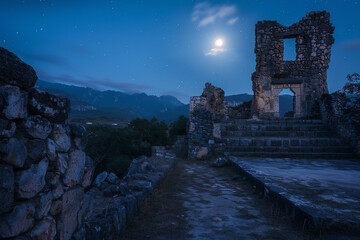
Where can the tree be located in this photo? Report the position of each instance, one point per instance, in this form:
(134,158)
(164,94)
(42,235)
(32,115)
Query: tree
(178,127)
(352,91)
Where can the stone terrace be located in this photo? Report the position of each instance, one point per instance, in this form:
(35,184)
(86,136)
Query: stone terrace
(322,194)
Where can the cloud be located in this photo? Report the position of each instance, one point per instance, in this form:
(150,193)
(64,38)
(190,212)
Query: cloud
(205,14)
(176,94)
(232,20)
(353,44)
(215,51)
(46,58)
(95,83)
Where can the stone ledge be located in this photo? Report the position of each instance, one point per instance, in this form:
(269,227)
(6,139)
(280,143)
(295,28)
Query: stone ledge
(320,195)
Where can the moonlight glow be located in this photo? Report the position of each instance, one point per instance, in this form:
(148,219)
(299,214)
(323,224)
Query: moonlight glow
(219,42)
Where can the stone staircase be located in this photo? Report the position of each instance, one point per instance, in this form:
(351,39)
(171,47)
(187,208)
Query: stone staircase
(283,138)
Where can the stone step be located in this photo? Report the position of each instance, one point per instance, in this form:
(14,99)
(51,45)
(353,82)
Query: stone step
(255,133)
(282,141)
(275,127)
(276,121)
(292,155)
(290,149)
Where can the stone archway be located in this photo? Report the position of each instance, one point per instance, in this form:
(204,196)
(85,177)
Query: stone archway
(276,90)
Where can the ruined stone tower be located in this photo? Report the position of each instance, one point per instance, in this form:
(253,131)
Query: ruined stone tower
(305,77)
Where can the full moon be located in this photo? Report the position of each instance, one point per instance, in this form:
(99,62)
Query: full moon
(219,42)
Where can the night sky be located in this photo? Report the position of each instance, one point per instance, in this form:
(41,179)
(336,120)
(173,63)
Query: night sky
(162,47)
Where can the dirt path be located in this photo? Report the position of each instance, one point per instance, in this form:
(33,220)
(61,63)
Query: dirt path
(200,202)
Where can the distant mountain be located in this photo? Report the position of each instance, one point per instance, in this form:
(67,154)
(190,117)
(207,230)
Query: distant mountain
(87,102)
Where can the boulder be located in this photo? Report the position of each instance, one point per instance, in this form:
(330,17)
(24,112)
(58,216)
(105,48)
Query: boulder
(131,206)
(7,183)
(14,71)
(43,205)
(13,152)
(36,149)
(111,190)
(118,216)
(62,162)
(55,108)
(68,220)
(78,130)
(100,179)
(202,153)
(7,128)
(31,181)
(88,173)
(140,185)
(112,178)
(50,149)
(52,176)
(58,190)
(44,230)
(19,220)
(37,127)
(86,208)
(76,167)
(220,162)
(15,102)
(79,134)
(56,207)
(60,135)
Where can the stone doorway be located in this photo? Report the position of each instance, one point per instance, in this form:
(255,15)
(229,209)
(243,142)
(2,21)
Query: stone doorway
(276,89)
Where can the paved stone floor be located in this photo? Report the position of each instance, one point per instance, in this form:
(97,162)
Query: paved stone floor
(327,189)
(201,202)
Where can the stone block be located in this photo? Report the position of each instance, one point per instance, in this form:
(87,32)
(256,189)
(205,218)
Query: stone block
(37,127)
(36,149)
(7,184)
(7,128)
(68,220)
(13,152)
(14,71)
(88,172)
(15,101)
(18,221)
(31,181)
(55,108)
(43,205)
(75,170)
(61,137)
(44,230)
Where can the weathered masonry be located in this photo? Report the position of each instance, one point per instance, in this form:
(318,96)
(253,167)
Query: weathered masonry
(305,77)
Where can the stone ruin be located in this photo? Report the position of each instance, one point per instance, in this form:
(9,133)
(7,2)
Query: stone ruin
(43,167)
(211,118)
(305,77)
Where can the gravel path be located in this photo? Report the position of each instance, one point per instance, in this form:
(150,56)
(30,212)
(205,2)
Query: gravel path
(200,202)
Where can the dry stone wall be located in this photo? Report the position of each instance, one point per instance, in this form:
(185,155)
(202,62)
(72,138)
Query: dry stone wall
(305,77)
(43,167)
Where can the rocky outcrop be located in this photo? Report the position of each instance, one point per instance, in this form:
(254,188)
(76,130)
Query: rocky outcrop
(13,71)
(43,168)
(117,201)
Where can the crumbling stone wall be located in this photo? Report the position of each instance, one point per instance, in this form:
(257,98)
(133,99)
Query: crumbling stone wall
(305,77)
(43,168)
(206,113)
